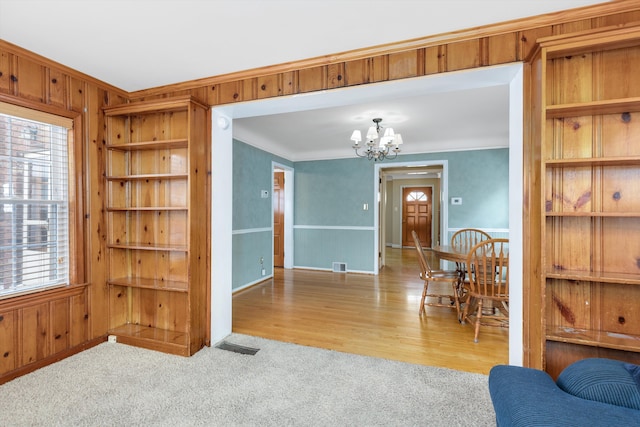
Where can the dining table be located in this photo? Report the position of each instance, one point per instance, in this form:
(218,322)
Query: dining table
(451,253)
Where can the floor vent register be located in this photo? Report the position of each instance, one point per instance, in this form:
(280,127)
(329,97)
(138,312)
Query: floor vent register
(237,348)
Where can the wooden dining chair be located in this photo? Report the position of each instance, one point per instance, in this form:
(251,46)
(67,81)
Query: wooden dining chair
(468,237)
(464,239)
(450,277)
(488,303)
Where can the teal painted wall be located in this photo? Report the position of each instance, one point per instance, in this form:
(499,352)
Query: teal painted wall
(248,248)
(482,180)
(319,248)
(252,173)
(330,223)
(331,193)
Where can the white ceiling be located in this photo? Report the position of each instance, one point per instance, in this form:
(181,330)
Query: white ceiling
(140,44)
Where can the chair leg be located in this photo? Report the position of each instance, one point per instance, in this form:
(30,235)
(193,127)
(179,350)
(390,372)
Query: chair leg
(455,299)
(478,319)
(468,307)
(424,297)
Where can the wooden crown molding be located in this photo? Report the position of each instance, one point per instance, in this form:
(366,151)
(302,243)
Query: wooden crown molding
(554,18)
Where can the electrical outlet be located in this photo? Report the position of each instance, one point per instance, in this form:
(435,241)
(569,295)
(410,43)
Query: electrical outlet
(113,338)
(264,272)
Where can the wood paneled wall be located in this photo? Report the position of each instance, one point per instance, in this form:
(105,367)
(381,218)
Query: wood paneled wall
(40,328)
(27,76)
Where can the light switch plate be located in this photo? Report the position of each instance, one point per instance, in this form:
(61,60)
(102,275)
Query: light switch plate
(456,200)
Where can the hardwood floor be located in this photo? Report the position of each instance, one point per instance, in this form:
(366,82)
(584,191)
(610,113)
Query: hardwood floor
(368,315)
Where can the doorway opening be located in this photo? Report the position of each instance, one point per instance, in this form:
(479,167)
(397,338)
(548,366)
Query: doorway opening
(393,179)
(282,215)
(222,200)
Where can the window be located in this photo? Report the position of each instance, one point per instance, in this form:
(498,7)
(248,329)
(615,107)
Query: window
(34,199)
(416,196)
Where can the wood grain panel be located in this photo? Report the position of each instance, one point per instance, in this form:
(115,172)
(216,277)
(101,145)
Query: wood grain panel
(76,95)
(379,69)
(59,312)
(289,83)
(6,60)
(94,99)
(607,20)
(230,92)
(269,86)
(30,80)
(8,341)
(620,186)
(406,64)
(57,88)
(569,304)
(433,59)
(357,72)
(335,75)
(619,133)
(312,79)
(570,244)
(528,40)
(464,55)
(502,49)
(569,75)
(79,320)
(35,333)
(573,27)
(620,314)
(533,193)
(618,69)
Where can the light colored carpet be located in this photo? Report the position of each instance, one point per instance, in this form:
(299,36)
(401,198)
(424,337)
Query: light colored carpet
(282,385)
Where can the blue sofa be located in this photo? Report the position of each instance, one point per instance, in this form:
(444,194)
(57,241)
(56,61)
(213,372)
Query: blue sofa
(589,392)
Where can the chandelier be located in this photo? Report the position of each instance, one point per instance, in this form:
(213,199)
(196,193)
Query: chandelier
(377,151)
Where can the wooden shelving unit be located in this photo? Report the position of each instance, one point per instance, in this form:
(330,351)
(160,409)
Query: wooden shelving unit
(156,167)
(591,208)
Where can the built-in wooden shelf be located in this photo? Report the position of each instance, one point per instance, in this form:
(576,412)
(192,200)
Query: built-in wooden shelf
(154,152)
(152,246)
(148,209)
(589,276)
(593,161)
(595,214)
(150,145)
(173,342)
(161,285)
(590,163)
(153,176)
(595,338)
(611,106)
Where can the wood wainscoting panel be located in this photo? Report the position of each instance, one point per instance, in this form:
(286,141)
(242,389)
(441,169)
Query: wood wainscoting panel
(38,328)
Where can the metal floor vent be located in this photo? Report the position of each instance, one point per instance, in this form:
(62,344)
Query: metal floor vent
(237,348)
(339,267)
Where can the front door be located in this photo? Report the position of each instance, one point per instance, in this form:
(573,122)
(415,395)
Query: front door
(278,219)
(416,215)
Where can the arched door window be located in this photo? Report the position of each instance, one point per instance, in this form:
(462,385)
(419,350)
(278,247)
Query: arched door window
(416,196)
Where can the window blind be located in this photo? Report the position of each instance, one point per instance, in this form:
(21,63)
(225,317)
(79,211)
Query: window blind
(34,205)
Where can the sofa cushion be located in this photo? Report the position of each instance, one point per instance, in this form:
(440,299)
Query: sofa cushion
(601,380)
(526,397)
